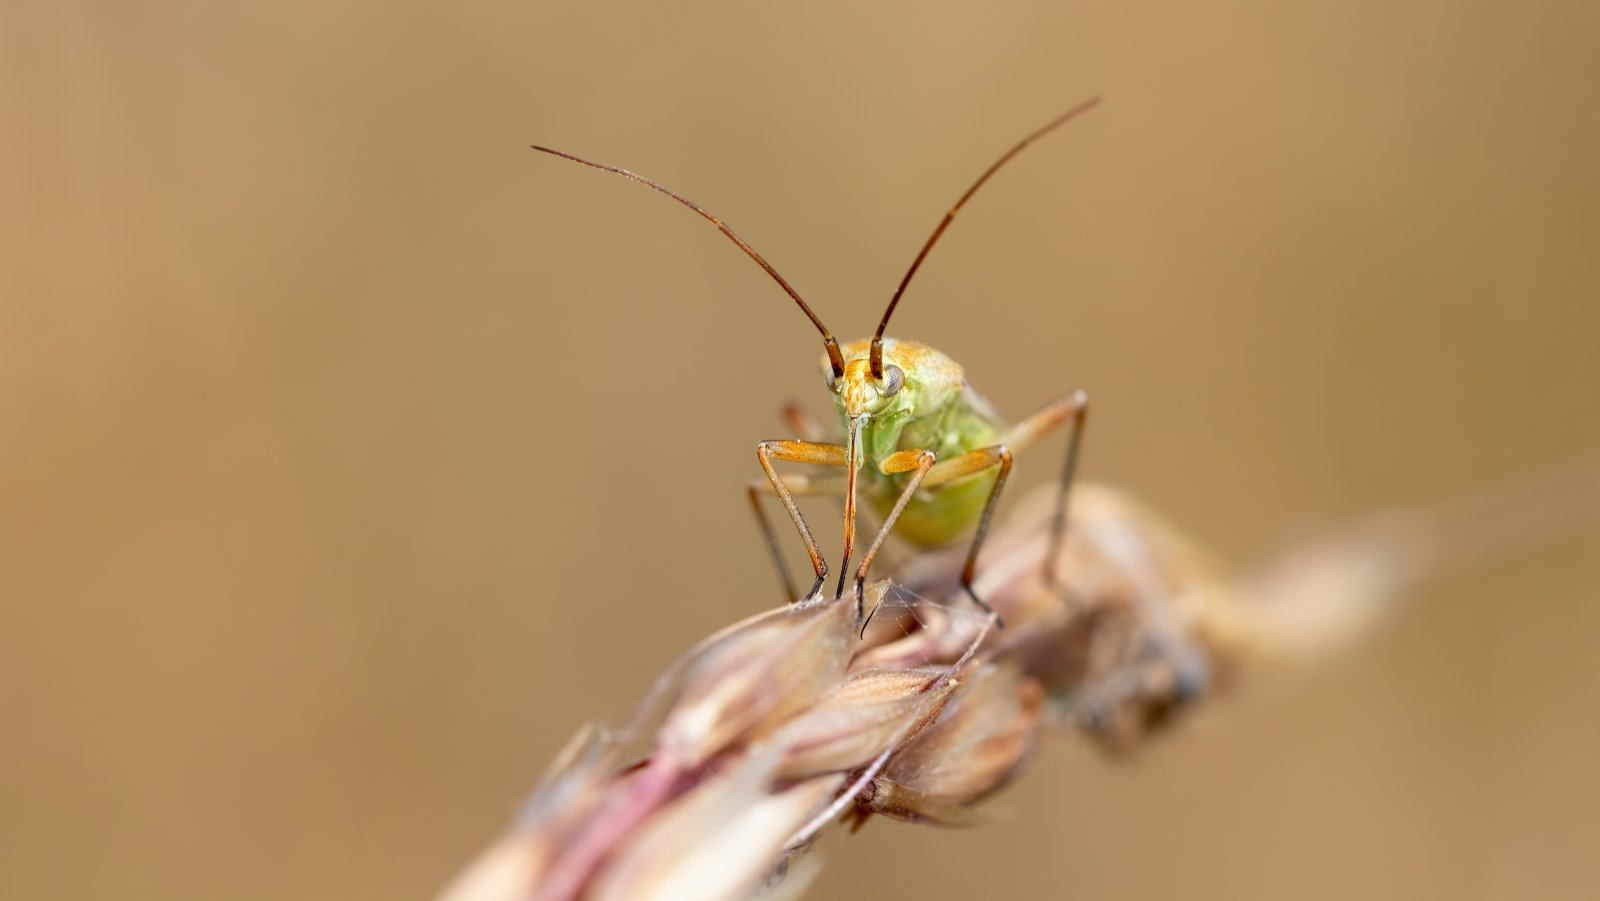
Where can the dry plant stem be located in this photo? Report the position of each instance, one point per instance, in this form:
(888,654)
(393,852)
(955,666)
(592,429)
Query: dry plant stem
(780,725)
(870,772)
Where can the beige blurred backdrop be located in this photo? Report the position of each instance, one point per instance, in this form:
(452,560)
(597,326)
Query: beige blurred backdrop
(352,454)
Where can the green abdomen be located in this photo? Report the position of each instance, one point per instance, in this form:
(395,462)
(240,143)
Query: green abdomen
(940,515)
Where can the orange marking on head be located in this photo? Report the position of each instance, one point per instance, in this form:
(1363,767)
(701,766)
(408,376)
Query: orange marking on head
(858,391)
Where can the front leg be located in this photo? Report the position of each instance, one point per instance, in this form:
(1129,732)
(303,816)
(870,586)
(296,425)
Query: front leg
(798,452)
(799,486)
(996,457)
(922,461)
(805,424)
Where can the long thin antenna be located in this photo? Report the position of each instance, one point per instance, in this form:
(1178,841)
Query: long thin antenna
(834,357)
(1064,118)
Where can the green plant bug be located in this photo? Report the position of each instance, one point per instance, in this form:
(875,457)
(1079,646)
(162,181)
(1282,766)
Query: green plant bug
(928,452)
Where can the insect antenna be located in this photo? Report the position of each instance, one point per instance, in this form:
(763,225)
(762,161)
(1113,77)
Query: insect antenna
(832,346)
(1064,118)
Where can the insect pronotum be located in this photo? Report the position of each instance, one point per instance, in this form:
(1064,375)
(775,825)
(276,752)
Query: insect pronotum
(933,454)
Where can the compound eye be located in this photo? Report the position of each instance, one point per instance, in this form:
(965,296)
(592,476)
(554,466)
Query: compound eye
(830,380)
(893,380)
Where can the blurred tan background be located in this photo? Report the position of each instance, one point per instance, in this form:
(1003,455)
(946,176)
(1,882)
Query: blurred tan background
(352,454)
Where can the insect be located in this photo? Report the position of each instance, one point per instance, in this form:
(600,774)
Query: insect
(928,452)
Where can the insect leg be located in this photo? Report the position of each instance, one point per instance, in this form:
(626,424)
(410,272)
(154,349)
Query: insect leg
(805,423)
(799,486)
(903,461)
(969,463)
(1073,406)
(808,426)
(801,452)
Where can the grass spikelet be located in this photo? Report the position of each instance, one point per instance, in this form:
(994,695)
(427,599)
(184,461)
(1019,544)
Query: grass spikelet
(780,726)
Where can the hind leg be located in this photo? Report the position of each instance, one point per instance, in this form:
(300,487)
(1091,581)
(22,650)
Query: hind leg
(1073,407)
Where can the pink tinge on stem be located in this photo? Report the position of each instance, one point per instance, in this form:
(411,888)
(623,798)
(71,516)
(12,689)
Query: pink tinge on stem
(717,841)
(635,798)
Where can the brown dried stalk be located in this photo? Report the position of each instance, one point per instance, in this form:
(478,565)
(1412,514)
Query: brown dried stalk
(781,725)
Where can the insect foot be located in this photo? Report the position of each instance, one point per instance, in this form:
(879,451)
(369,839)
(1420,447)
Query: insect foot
(815,595)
